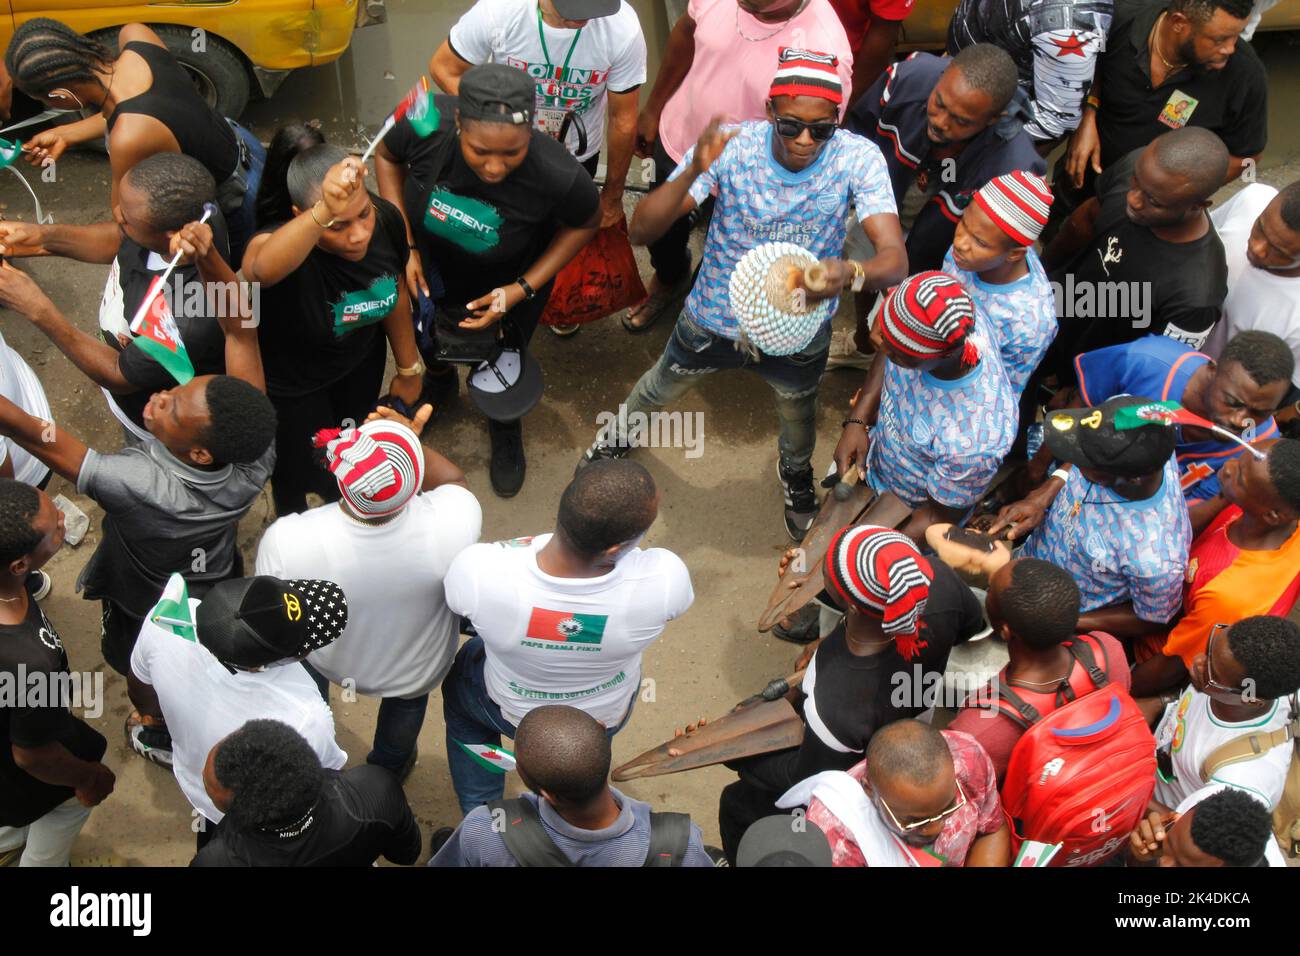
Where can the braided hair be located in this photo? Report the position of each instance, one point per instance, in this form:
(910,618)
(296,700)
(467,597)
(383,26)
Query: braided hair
(45,54)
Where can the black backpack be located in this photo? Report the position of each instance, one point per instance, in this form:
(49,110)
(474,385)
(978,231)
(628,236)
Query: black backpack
(528,843)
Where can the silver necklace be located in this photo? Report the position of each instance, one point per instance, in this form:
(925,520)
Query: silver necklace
(783,24)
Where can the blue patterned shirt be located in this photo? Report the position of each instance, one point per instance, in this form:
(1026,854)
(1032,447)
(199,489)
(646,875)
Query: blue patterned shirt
(943,439)
(760,201)
(1118,550)
(1022,314)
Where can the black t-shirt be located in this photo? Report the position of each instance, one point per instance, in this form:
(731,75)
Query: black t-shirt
(1129,283)
(362,814)
(173,100)
(133,272)
(35,691)
(321,321)
(1232,102)
(851,697)
(479,235)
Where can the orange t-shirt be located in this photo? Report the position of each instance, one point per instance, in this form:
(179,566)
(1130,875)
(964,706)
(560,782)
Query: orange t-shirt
(1226,583)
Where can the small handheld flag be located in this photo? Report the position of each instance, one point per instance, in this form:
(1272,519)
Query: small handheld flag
(417,108)
(156,327)
(9,152)
(1034,854)
(1172,413)
(496,759)
(172,612)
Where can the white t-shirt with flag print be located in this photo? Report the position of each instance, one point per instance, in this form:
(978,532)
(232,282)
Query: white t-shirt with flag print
(575,641)
(608,53)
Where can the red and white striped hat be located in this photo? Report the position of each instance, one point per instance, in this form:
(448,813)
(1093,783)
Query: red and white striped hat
(806,73)
(928,316)
(379,467)
(1018,202)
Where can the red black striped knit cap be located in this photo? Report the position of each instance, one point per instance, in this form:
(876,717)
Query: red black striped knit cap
(880,572)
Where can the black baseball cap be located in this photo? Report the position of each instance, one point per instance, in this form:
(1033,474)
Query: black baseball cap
(486,88)
(784,840)
(586,9)
(1088,437)
(252,622)
(507,386)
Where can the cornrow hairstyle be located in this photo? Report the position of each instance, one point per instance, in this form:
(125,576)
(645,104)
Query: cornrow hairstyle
(45,54)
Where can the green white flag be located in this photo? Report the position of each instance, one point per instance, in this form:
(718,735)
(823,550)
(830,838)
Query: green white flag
(172,612)
(496,759)
(9,152)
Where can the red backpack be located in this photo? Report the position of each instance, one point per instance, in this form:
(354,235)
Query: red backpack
(1083,774)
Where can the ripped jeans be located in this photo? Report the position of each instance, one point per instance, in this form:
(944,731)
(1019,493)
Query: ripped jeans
(692,352)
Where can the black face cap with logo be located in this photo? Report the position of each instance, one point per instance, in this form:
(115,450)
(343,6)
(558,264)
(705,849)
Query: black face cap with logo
(254,622)
(496,93)
(1087,437)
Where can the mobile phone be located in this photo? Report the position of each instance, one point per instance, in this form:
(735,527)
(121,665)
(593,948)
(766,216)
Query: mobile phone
(971,539)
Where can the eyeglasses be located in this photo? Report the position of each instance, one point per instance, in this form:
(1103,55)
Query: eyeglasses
(1209,667)
(792,129)
(959,802)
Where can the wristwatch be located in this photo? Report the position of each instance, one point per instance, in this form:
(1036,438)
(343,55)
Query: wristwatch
(416,369)
(529,291)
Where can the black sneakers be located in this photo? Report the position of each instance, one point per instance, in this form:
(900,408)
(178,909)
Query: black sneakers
(508,462)
(800,499)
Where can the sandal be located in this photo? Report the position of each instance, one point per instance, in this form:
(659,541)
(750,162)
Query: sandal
(656,304)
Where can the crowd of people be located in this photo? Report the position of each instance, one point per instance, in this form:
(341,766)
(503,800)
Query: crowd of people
(1082,386)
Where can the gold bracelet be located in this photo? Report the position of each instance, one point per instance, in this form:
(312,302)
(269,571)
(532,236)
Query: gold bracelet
(323,225)
(416,369)
(859,276)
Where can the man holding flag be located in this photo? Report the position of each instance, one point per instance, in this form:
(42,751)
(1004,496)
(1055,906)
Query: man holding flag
(158,196)
(173,501)
(207,667)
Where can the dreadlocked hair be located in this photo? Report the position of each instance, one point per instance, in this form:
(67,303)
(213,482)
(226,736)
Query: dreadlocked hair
(45,54)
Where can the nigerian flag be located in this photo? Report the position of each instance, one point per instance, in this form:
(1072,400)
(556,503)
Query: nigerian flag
(155,332)
(172,612)
(417,108)
(9,152)
(496,759)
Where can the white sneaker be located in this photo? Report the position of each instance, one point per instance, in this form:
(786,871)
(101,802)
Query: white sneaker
(844,353)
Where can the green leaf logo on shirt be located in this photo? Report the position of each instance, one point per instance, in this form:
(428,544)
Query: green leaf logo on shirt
(469,223)
(365,306)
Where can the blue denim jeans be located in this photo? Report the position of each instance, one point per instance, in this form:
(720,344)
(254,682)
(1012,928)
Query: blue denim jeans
(692,352)
(240,223)
(473,718)
(396,730)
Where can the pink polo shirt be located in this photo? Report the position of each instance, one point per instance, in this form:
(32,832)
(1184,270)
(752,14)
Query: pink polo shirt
(730,76)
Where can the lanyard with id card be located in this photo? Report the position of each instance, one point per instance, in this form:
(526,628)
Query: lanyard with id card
(551,121)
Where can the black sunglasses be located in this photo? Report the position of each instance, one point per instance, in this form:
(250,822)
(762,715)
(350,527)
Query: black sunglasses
(793,129)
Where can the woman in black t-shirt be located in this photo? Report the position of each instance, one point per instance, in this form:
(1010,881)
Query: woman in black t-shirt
(330,266)
(498,207)
(146,104)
